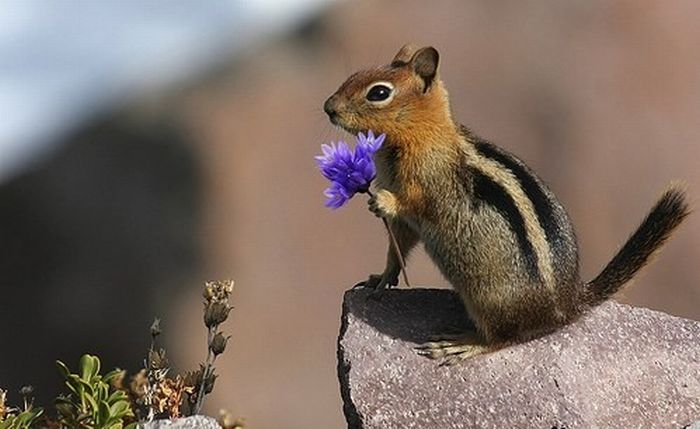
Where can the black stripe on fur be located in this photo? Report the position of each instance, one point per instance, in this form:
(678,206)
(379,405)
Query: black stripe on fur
(544,207)
(489,192)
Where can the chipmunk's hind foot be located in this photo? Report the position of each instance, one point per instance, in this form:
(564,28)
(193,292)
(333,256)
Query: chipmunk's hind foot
(452,349)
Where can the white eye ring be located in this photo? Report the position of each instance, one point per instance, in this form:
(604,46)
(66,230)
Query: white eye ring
(385,101)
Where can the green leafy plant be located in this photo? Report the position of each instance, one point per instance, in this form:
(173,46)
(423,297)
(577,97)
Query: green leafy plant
(22,420)
(92,402)
(111,401)
(16,418)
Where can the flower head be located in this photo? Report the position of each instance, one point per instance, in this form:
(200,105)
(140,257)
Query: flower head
(350,171)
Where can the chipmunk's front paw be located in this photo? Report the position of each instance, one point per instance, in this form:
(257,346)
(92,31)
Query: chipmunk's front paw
(383,204)
(379,281)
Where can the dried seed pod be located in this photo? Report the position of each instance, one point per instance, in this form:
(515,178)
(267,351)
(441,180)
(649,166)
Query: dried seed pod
(155,328)
(216,313)
(218,291)
(218,343)
(194,378)
(209,383)
(157,360)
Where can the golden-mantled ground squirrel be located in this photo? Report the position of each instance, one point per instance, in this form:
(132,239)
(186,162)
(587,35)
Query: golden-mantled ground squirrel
(493,228)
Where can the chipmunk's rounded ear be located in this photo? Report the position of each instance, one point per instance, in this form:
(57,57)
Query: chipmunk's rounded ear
(425,63)
(404,55)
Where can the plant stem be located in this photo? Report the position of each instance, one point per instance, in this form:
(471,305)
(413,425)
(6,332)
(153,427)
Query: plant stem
(395,245)
(207,369)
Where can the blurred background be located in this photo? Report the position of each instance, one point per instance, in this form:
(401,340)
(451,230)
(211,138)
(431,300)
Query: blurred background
(146,147)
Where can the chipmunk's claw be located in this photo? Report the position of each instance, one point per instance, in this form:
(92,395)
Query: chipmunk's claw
(378,282)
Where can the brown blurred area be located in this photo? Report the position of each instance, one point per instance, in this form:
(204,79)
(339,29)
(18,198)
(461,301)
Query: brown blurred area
(601,99)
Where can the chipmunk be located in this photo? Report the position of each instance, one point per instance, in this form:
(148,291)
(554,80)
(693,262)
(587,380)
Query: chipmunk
(493,228)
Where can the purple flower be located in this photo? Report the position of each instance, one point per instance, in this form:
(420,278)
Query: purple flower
(350,171)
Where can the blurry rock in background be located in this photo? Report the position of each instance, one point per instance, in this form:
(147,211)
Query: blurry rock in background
(94,242)
(218,168)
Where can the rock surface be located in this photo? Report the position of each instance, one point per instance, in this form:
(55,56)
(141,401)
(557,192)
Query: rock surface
(618,366)
(194,422)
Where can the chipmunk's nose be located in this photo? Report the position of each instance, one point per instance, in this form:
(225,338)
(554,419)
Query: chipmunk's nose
(329,108)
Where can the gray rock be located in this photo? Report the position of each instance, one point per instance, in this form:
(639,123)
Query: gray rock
(194,422)
(618,366)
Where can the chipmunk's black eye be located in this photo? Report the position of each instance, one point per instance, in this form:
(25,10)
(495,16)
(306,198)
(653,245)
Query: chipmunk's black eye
(378,93)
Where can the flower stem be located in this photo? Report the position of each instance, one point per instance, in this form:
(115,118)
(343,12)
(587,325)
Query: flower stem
(395,245)
(206,372)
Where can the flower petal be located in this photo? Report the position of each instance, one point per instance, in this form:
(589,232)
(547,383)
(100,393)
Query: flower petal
(349,170)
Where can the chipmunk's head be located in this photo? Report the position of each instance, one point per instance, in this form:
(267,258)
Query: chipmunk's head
(404,95)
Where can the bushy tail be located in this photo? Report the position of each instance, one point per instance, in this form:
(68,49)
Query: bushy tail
(656,228)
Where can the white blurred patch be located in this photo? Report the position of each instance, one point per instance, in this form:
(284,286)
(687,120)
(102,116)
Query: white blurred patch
(62,61)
